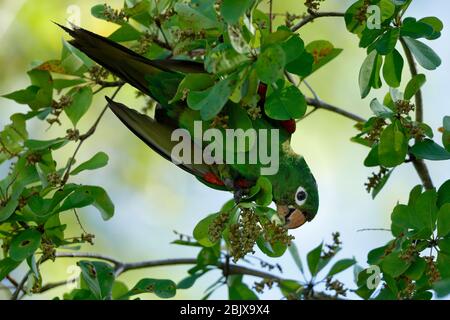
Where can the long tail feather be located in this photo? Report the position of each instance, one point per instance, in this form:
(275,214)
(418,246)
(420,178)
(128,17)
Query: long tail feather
(156,135)
(123,62)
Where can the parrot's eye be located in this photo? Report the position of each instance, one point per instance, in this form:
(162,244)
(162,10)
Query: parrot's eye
(301,196)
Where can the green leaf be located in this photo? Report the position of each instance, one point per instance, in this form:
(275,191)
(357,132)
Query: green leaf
(275,250)
(443,222)
(201,231)
(290,289)
(293,48)
(237,290)
(429,150)
(25,96)
(424,55)
(436,24)
(380,110)
(372,158)
(425,212)
(446,134)
(44,96)
(281,35)
(99,278)
(442,288)
(293,250)
(302,66)
(119,290)
(7,266)
(81,101)
(392,69)
(323,52)
(89,195)
(377,189)
(38,95)
(73,61)
(444,245)
(394,265)
(60,84)
(193,82)
(233,10)
(362,280)
(189,281)
(99,12)
(270,64)
(125,33)
(313,259)
(416,29)
(224,59)
(340,266)
(369,73)
(286,103)
(164,289)
(264,196)
(37,145)
(443,263)
(197,15)
(444,194)
(8,209)
(375,256)
(98,161)
(416,270)
(393,147)
(414,85)
(386,44)
(211,101)
(25,244)
(400,219)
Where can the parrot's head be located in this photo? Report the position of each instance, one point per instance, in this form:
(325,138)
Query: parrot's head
(296,196)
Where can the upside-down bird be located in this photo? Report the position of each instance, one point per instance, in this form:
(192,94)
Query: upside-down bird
(294,188)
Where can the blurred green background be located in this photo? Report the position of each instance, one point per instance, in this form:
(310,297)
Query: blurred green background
(153,197)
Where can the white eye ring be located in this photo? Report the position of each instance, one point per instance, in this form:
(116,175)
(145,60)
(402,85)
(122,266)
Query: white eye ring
(301,196)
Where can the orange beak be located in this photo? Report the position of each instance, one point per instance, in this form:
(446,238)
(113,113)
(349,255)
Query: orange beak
(293,217)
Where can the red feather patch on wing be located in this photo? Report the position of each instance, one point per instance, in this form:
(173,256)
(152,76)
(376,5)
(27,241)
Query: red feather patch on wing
(289,125)
(213,179)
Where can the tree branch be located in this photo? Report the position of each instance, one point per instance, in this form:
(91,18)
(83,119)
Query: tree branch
(312,17)
(419,164)
(413,69)
(121,267)
(319,104)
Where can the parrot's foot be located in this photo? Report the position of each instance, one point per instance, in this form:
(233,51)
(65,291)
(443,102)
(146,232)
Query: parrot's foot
(238,195)
(238,192)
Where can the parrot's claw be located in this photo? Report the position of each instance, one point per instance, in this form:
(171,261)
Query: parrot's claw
(238,195)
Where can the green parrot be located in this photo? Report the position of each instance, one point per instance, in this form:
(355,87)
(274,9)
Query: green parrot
(294,188)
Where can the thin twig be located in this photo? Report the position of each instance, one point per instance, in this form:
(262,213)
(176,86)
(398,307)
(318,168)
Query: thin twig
(373,229)
(12,281)
(87,255)
(312,17)
(19,288)
(271,16)
(85,137)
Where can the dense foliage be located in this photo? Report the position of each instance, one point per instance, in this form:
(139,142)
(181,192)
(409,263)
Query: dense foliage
(239,47)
